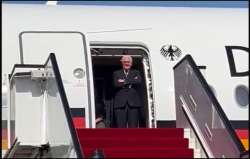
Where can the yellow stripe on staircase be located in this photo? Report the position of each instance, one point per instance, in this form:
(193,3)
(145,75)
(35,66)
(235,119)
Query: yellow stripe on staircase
(4,144)
(245,142)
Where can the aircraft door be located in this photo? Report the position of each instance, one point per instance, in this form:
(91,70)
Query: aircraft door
(74,61)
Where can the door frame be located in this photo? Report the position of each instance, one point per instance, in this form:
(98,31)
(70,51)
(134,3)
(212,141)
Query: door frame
(151,116)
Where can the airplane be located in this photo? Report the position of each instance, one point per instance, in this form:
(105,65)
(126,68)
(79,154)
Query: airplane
(89,40)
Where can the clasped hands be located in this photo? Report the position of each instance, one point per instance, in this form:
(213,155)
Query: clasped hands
(121,80)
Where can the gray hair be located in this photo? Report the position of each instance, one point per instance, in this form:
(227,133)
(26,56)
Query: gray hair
(127,57)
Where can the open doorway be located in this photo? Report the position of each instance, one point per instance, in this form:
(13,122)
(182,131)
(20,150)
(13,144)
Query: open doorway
(107,60)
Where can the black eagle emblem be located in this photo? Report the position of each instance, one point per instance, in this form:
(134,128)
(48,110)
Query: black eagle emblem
(171,52)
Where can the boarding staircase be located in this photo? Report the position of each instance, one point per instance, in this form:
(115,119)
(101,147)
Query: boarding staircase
(61,139)
(135,142)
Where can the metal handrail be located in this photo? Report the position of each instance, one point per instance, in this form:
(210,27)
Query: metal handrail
(215,102)
(7,154)
(244,154)
(62,94)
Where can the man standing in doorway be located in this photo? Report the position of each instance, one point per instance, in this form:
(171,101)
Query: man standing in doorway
(127,100)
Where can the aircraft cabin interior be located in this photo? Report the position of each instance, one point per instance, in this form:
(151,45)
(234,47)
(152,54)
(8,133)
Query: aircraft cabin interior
(107,60)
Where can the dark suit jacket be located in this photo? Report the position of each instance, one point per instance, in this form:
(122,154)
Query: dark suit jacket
(126,92)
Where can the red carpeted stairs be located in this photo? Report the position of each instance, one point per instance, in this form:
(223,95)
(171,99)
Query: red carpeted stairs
(135,143)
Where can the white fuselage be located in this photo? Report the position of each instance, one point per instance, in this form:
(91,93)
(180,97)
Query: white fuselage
(201,32)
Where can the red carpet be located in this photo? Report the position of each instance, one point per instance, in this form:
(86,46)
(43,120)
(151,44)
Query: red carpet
(139,143)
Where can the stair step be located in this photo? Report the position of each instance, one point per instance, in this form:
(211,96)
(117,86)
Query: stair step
(125,132)
(23,152)
(142,152)
(135,142)
(150,142)
(126,138)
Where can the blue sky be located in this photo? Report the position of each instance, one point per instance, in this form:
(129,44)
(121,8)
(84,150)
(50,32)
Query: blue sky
(220,4)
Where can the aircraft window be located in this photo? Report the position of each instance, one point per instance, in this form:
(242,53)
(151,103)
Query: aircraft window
(241,95)
(78,73)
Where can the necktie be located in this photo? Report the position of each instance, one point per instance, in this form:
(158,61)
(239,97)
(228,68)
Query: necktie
(126,73)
